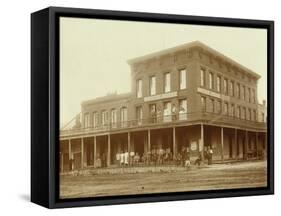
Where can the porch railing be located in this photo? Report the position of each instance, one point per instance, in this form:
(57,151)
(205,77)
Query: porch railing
(207,117)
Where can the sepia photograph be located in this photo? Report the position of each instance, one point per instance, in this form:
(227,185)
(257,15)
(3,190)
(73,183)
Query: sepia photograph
(151,108)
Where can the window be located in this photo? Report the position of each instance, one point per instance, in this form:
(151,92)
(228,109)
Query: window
(249,95)
(203,103)
(113,117)
(254,115)
(243,113)
(238,90)
(253,96)
(167,82)
(139,88)
(225,109)
(232,110)
(167,112)
(139,115)
(218,83)
(239,112)
(202,77)
(212,107)
(225,86)
(124,116)
(248,116)
(211,80)
(262,117)
(95,119)
(183,79)
(219,106)
(152,113)
(152,85)
(243,93)
(104,118)
(231,88)
(86,120)
(182,109)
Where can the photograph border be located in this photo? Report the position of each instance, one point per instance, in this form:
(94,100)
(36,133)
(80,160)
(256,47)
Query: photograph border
(46,192)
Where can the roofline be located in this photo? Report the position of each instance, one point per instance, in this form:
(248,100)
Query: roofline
(106,98)
(190,45)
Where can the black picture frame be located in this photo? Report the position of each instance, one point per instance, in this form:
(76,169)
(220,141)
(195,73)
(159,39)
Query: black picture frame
(45,106)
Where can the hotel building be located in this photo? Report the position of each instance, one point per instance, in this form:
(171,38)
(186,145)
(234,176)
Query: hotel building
(187,96)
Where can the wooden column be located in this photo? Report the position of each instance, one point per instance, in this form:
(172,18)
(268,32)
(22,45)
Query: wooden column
(202,141)
(108,150)
(174,142)
(222,150)
(69,150)
(61,157)
(257,145)
(246,145)
(148,141)
(236,143)
(82,153)
(95,150)
(129,147)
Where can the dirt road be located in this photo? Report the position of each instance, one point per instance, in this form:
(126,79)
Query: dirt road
(218,176)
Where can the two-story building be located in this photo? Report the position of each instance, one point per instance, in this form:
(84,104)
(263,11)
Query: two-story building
(187,96)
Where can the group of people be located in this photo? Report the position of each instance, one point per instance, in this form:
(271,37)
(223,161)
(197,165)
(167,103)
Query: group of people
(162,157)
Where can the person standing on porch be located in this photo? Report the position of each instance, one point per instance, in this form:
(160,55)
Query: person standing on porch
(126,157)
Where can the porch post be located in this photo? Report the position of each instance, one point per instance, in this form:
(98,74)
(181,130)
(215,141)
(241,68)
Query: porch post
(129,147)
(95,150)
(222,150)
(246,145)
(69,149)
(148,141)
(174,142)
(82,153)
(236,143)
(257,145)
(202,141)
(108,150)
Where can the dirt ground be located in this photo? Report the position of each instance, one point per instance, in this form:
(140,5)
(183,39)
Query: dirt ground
(217,176)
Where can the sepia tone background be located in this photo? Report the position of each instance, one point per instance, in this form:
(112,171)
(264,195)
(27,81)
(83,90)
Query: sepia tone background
(94,54)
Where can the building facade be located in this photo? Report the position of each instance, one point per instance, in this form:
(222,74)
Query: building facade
(189,96)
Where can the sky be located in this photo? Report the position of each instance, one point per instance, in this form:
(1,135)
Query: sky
(94,54)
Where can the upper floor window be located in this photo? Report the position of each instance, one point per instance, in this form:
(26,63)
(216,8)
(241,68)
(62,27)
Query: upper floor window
(167,111)
(243,93)
(219,106)
(167,82)
(225,86)
(139,88)
(183,77)
(212,107)
(182,109)
(238,90)
(113,116)
(152,85)
(243,114)
(86,120)
(249,95)
(203,103)
(262,117)
(211,80)
(239,112)
(104,117)
(231,88)
(95,119)
(254,115)
(232,110)
(139,114)
(253,96)
(123,116)
(225,109)
(202,77)
(218,83)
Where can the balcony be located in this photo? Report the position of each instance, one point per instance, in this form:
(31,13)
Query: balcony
(181,119)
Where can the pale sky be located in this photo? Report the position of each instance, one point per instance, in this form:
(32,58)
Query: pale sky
(94,54)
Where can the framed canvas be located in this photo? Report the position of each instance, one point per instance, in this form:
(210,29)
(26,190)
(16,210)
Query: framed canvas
(134,107)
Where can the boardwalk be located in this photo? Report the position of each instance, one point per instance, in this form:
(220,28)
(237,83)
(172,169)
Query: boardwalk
(217,176)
